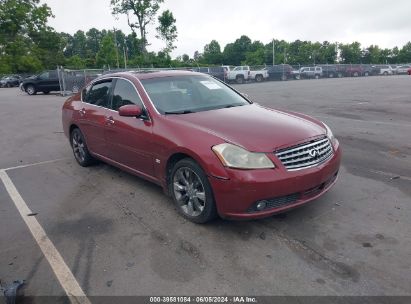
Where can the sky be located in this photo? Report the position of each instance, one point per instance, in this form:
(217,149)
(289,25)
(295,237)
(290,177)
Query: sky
(381,22)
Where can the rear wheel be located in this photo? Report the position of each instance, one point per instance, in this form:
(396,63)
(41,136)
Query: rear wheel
(8,85)
(331,75)
(80,150)
(340,75)
(46,92)
(366,74)
(283,77)
(355,74)
(31,90)
(317,76)
(385,73)
(191,192)
(259,78)
(240,79)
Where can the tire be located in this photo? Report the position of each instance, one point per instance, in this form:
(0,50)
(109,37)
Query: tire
(191,192)
(31,90)
(259,78)
(8,85)
(46,92)
(366,74)
(331,75)
(75,89)
(385,73)
(283,77)
(317,76)
(340,75)
(355,74)
(297,77)
(80,150)
(239,79)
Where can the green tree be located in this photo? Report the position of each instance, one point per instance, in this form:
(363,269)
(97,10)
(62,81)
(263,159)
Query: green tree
(142,10)
(21,21)
(107,54)
(212,53)
(167,30)
(351,53)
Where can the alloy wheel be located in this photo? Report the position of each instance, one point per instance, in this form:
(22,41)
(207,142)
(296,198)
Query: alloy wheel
(78,147)
(189,192)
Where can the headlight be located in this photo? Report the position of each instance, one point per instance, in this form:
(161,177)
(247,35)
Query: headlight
(235,157)
(330,134)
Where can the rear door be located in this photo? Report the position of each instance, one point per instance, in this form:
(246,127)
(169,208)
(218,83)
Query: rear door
(129,139)
(93,115)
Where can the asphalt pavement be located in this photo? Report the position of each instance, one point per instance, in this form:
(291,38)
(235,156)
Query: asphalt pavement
(120,235)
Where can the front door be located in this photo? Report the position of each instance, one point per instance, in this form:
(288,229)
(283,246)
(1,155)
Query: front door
(129,139)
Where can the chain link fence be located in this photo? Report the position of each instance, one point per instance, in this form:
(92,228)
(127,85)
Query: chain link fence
(72,81)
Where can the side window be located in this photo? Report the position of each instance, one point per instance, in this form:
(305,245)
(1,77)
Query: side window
(125,94)
(44,76)
(99,94)
(53,75)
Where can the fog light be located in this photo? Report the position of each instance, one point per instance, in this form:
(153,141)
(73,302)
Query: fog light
(261,205)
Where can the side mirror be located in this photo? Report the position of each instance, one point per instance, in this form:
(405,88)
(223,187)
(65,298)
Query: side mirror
(130,111)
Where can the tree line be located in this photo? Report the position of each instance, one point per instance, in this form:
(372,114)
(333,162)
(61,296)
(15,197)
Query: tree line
(28,44)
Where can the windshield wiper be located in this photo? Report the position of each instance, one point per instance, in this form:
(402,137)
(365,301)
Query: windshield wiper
(178,112)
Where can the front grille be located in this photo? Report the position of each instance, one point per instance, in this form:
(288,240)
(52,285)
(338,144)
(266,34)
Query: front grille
(306,155)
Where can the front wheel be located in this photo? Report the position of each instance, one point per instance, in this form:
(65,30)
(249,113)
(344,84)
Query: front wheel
(31,90)
(191,192)
(259,78)
(80,150)
(46,92)
(240,79)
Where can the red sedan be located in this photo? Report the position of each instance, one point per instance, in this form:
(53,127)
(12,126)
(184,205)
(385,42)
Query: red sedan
(210,148)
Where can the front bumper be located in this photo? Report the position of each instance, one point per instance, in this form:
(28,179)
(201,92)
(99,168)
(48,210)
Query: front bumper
(236,197)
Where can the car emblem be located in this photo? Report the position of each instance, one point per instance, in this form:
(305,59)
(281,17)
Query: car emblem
(314,153)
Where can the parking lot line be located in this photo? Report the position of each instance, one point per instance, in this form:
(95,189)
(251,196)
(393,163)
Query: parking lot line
(34,164)
(56,261)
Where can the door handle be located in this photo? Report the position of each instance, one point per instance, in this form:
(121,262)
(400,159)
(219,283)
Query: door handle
(82,112)
(110,120)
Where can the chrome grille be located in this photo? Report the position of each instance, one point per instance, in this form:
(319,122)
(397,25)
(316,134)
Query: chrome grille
(306,155)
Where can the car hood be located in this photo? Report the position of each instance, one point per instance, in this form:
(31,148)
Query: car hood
(254,127)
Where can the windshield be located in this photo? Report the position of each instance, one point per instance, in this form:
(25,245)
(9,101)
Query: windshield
(188,94)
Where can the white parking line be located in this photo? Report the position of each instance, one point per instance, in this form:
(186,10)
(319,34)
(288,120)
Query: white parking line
(56,261)
(35,164)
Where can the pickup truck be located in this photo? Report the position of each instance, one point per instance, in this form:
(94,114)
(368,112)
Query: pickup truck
(239,74)
(259,75)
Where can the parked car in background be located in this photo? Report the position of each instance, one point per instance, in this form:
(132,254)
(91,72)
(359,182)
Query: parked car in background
(353,70)
(329,71)
(46,82)
(409,71)
(10,81)
(311,72)
(239,74)
(367,70)
(402,69)
(383,69)
(210,148)
(280,72)
(218,72)
(258,74)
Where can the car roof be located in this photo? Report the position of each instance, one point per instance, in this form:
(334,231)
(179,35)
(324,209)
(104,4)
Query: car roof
(141,75)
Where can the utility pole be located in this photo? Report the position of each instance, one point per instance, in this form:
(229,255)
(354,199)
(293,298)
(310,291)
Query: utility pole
(125,54)
(273,53)
(115,43)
